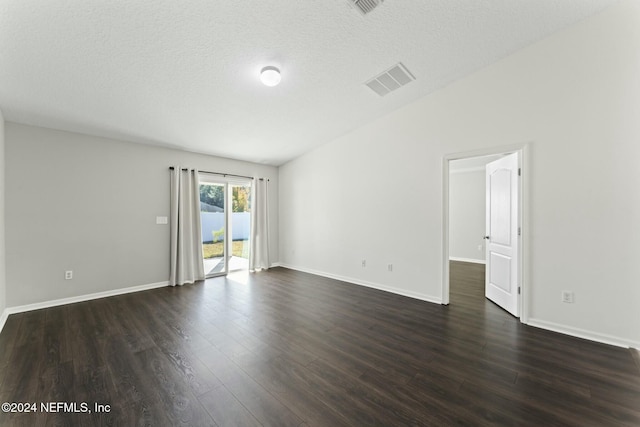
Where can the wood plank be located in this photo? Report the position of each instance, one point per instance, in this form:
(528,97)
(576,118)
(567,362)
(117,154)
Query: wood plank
(226,410)
(286,348)
(635,355)
(279,377)
(174,396)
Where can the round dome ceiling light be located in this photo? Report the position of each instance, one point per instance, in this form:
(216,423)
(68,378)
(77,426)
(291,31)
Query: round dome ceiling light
(270,76)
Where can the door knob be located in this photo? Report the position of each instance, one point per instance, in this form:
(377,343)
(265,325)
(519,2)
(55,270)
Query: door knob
(486,237)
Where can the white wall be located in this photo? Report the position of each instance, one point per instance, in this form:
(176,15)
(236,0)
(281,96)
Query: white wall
(3,282)
(575,97)
(87,186)
(467,216)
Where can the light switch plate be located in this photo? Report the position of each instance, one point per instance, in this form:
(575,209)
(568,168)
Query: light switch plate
(568,297)
(162,220)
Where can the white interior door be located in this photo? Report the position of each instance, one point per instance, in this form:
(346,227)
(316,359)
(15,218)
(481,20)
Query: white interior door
(501,283)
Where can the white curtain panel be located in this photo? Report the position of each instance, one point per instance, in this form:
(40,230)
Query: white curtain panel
(259,254)
(186,236)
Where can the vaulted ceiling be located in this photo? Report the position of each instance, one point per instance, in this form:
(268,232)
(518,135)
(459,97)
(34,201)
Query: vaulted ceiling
(184,74)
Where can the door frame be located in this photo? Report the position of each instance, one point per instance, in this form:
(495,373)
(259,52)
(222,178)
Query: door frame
(227,182)
(229,220)
(523,220)
(210,179)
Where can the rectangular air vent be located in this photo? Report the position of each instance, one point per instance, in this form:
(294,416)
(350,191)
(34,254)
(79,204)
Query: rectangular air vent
(365,6)
(390,80)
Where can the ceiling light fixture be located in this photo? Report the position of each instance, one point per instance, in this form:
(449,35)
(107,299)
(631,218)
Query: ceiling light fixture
(270,76)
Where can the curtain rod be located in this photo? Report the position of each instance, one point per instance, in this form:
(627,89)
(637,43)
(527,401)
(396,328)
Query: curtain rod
(216,173)
(221,173)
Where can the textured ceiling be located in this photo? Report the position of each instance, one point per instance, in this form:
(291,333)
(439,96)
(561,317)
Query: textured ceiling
(184,74)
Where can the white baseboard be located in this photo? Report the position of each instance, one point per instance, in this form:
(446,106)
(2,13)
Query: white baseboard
(582,333)
(543,324)
(3,318)
(80,298)
(475,261)
(563,329)
(378,286)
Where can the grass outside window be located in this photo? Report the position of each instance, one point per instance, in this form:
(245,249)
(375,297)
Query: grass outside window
(240,248)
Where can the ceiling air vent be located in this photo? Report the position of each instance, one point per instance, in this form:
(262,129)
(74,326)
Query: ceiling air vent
(390,80)
(365,6)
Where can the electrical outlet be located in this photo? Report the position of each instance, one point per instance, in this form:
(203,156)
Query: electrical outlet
(479,248)
(364,263)
(390,267)
(68,275)
(567,296)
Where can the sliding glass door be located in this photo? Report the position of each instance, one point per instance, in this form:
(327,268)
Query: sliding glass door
(213,219)
(226,224)
(240,227)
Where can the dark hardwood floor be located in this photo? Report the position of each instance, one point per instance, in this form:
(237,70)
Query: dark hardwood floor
(284,348)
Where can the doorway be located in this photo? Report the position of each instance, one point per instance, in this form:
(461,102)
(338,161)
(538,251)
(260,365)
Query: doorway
(225,217)
(477,240)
